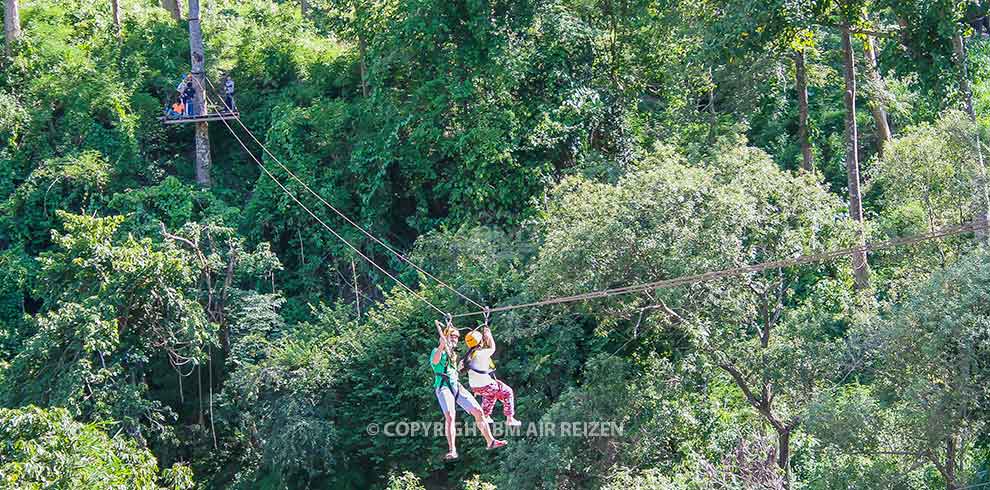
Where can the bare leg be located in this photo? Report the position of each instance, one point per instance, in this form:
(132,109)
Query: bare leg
(479,420)
(450,432)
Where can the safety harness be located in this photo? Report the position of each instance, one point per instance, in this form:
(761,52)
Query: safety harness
(445,379)
(444,376)
(490,372)
(491,363)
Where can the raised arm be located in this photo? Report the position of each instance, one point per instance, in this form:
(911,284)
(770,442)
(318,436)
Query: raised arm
(488,339)
(439,351)
(441,346)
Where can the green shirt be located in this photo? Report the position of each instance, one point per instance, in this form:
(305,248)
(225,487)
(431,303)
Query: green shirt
(438,369)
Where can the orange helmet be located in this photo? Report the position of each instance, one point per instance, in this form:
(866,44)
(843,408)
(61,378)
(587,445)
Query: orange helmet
(472,339)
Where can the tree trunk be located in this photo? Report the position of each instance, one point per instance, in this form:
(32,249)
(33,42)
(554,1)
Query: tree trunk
(959,46)
(304,7)
(762,403)
(950,464)
(198,63)
(357,290)
(11,24)
(115,5)
(947,468)
(879,113)
(801,76)
(362,47)
(981,199)
(173,8)
(784,455)
(203,161)
(861,268)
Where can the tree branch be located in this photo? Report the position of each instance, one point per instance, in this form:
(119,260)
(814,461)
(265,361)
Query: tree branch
(663,306)
(177,238)
(740,380)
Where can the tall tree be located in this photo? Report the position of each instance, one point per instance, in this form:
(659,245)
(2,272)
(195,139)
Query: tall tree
(115,6)
(981,200)
(801,80)
(965,90)
(861,268)
(936,29)
(11,23)
(877,84)
(776,33)
(196,52)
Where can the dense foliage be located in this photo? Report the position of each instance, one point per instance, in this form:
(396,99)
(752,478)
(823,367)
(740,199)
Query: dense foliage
(155,334)
(48,449)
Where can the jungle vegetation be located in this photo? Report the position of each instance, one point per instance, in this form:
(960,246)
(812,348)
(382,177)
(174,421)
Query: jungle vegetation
(159,334)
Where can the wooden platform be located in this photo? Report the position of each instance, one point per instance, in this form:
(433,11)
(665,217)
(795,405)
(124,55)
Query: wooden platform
(216,116)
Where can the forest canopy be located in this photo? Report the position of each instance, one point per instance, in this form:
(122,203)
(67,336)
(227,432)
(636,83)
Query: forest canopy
(250,302)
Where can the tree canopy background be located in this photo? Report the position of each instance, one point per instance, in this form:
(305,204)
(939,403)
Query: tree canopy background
(155,334)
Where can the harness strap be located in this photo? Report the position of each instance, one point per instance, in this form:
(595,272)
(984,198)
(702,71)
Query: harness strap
(445,380)
(490,372)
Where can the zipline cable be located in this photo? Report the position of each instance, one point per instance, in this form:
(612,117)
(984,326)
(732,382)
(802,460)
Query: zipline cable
(737,271)
(667,283)
(335,210)
(317,218)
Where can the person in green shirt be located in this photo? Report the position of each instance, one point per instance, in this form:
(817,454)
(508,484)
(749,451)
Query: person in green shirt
(450,392)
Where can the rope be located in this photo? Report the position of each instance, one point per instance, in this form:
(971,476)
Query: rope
(317,218)
(738,271)
(338,212)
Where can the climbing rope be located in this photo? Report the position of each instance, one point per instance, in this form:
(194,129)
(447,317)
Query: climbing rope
(737,271)
(317,218)
(338,212)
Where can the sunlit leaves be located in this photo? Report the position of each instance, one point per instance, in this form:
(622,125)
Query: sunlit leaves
(48,449)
